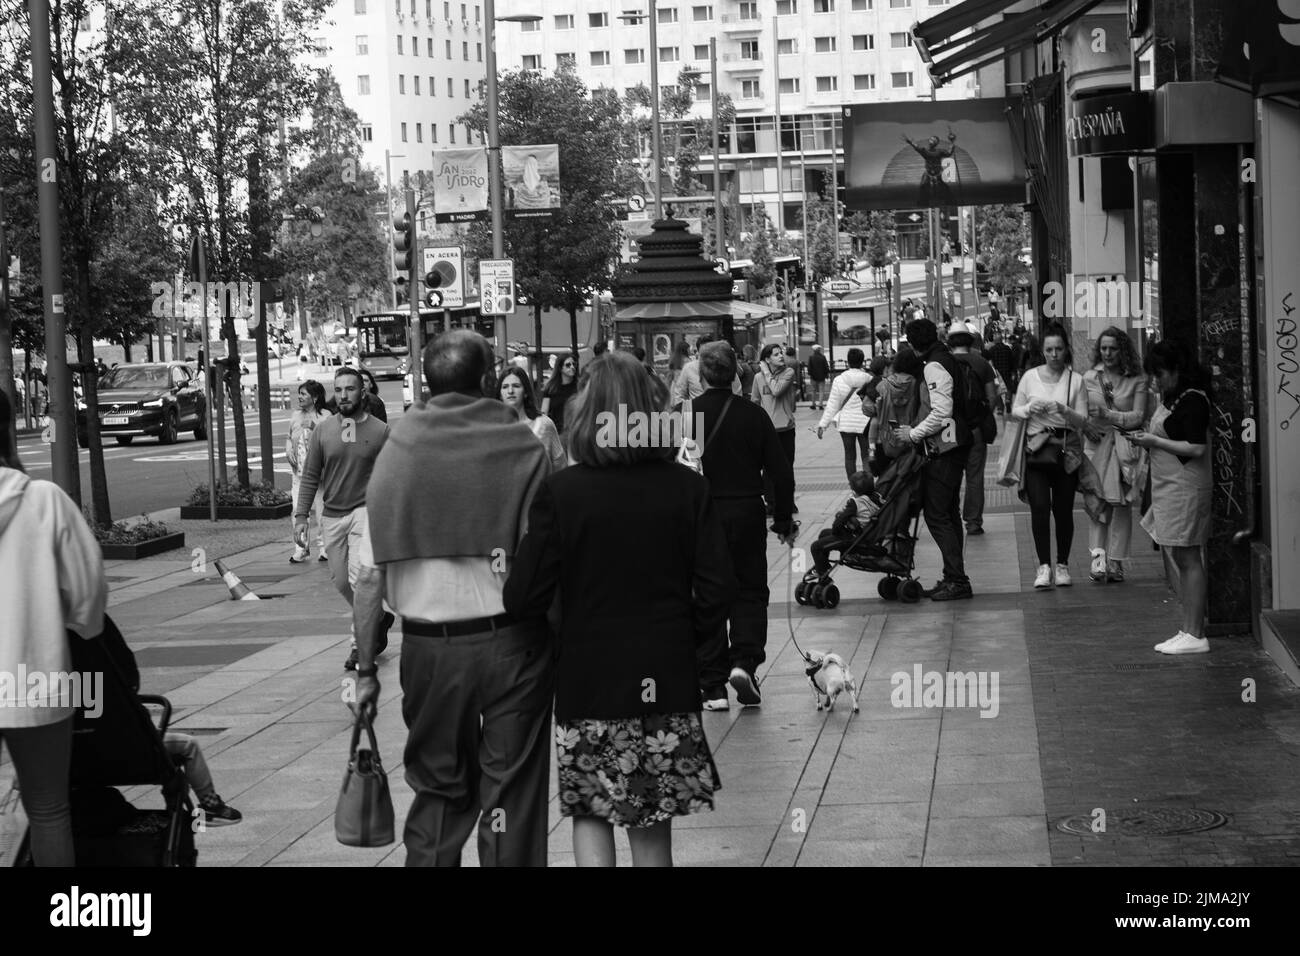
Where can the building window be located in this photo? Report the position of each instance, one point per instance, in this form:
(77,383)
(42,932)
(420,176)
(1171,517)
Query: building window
(668,54)
(363,46)
(451,87)
(564,21)
(429,48)
(401,84)
(861,4)
(667,14)
(787,8)
(900,81)
(367,133)
(787,47)
(701,51)
(823,6)
(446,11)
(824,44)
(634,56)
(321,47)
(451,129)
(530,26)
(428,9)
(597,20)
(433,89)
(433,132)
(899,4)
(864,41)
(749,90)
(701,14)
(564,59)
(403,132)
(464,50)
(749,50)
(899,41)
(703,91)
(600,58)
(864,81)
(419,132)
(448,42)
(828,84)
(478,51)
(468,95)
(748,11)
(788,85)
(363,86)
(399,44)
(478,14)
(463,14)
(359,6)
(415,83)
(532,61)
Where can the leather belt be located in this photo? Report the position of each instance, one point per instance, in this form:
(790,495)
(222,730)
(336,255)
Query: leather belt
(476,625)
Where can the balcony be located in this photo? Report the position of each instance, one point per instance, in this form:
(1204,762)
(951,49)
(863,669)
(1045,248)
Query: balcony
(734,62)
(731,23)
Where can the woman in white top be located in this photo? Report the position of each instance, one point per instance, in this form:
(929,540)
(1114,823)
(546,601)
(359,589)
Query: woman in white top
(1054,401)
(517,392)
(851,421)
(51,581)
(311,411)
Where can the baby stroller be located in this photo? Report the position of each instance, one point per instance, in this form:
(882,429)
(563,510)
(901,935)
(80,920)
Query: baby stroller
(122,747)
(884,546)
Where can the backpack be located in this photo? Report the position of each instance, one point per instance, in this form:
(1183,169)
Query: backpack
(902,407)
(979,413)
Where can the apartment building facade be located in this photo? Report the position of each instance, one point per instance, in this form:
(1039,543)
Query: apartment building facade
(409,68)
(803,58)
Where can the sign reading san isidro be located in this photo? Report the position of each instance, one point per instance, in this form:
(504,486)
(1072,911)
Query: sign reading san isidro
(1116,123)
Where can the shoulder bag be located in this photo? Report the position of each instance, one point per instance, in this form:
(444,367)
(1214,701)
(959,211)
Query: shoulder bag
(691,454)
(364,813)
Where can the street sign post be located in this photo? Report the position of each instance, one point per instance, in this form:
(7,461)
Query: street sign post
(496,282)
(449,262)
(840,287)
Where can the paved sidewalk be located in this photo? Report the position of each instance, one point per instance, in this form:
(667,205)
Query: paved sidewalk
(1086,718)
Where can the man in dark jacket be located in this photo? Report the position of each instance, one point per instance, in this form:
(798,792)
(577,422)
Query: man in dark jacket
(946,432)
(818,371)
(737,455)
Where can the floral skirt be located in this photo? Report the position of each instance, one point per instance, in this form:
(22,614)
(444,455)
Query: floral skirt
(636,771)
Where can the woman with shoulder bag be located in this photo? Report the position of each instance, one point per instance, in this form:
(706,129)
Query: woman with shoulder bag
(1054,403)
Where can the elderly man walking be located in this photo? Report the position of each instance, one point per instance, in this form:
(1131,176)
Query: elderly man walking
(774,389)
(740,451)
(448,503)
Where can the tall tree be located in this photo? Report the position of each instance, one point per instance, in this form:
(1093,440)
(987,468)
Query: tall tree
(1003,232)
(564,261)
(215,75)
(761,271)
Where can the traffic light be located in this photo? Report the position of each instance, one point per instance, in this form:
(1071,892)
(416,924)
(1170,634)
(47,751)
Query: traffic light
(780,286)
(403,245)
(798,277)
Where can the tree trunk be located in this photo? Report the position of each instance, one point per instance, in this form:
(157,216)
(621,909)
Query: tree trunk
(540,368)
(7,375)
(573,331)
(126,350)
(101,515)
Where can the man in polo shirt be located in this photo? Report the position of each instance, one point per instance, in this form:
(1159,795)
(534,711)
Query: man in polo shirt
(340,455)
(448,503)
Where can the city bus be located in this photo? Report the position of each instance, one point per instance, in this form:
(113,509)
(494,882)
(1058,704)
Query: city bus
(383,343)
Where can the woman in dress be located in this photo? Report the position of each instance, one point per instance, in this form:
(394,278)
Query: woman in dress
(1117,402)
(311,411)
(1182,481)
(563,385)
(517,392)
(631,542)
(1054,401)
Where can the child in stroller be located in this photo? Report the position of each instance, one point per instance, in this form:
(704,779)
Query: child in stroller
(848,524)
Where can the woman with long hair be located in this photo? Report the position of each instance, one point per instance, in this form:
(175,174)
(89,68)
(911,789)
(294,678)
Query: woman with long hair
(1054,401)
(560,389)
(54,584)
(626,757)
(1117,402)
(311,411)
(1182,482)
(516,390)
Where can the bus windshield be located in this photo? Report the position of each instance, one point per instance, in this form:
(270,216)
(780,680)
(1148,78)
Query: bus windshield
(381,335)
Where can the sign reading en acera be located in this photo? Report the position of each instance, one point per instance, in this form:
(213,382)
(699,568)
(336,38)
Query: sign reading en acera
(496,286)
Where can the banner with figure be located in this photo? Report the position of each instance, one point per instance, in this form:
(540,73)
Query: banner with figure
(945,153)
(532,178)
(460,185)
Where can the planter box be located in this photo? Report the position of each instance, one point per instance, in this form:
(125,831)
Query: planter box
(143,549)
(240,512)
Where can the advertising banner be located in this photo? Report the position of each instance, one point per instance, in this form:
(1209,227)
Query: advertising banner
(1115,123)
(909,155)
(532,178)
(460,185)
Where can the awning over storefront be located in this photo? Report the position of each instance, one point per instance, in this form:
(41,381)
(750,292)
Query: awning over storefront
(741,313)
(949,51)
(1261,50)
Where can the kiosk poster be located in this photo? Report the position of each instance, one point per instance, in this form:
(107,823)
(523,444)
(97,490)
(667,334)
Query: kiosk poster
(532,177)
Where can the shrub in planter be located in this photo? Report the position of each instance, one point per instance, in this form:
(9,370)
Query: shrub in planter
(258,502)
(139,540)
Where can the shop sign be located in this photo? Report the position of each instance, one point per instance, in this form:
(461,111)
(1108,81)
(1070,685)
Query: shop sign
(1116,123)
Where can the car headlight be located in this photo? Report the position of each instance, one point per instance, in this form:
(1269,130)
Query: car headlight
(156,403)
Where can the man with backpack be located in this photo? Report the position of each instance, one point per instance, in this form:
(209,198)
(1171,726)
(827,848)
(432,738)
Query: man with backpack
(981,395)
(946,434)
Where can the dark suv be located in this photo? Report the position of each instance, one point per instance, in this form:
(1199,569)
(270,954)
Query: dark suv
(160,398)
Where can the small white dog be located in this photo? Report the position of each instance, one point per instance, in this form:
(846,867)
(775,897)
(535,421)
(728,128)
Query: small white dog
(830,677)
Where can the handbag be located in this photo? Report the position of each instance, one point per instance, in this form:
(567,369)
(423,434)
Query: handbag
(1046,448)
(364,813)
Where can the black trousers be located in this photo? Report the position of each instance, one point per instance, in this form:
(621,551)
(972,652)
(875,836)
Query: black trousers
(827,542)
(941,503)
(478,712)
(744,523)
(1050,490)
(855,445)
(786,438)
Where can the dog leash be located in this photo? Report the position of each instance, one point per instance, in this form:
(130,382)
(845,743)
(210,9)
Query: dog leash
(813,666)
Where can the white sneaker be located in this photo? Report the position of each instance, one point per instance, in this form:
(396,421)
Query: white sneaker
(1098,570)
(1163,644)
(1063,576)
(1044,579)
(717,703)
(1185,644)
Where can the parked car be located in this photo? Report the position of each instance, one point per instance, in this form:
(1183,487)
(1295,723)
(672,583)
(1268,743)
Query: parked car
(157,398)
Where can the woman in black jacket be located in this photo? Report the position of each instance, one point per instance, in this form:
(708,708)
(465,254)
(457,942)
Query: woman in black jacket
(630,541)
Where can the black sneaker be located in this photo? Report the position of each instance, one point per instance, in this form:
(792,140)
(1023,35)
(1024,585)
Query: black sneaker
(975,530)
(938,586)
(351,663)
(951,591)
(217,814)
(384,625)
(746,688)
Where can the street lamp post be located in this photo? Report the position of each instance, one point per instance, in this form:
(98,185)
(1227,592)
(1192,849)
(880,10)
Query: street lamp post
(656,134)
